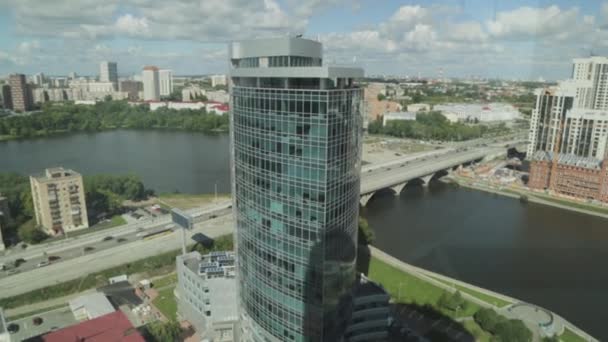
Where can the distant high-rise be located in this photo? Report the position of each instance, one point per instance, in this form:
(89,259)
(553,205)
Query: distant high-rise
(151,83)
(72,75)
(39,79)
(296,138)
(20,93)
(7,99)
(108,72)
(165,80)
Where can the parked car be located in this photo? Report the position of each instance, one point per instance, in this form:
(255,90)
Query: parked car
(108,238)
(89,248)
(53,257)
(43,263)
(12,328)
(18,262)
(37,320)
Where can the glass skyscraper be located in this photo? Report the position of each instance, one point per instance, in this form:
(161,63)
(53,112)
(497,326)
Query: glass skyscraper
(296,145)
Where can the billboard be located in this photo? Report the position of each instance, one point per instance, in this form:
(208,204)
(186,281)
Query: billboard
(181,218)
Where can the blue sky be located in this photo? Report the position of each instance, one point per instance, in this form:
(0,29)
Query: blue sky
(512,39)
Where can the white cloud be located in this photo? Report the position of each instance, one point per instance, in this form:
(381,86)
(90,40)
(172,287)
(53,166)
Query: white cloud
(532,23)
(131,25)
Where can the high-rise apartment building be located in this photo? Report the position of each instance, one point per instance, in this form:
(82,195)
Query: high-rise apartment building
(7,99)
(296,144)
(581,105)
(108,72)
(151,83)
(165,81)
(20,93)
(59,201)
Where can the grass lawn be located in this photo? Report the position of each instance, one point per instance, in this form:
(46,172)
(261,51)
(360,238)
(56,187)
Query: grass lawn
(189,201)
(406,288)
(165,281)
(570,336)
(166,303)
(475,330)
(35,312)
(486,298)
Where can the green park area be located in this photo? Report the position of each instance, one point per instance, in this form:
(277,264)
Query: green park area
(569,336)
(189,201)
(498,302)
(166,303)
(407,288)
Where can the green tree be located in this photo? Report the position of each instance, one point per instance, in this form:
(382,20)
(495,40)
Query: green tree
(30,233)
(452,302)
(513,330)
(487,319)
(163,331)
(381,97)
(366,234)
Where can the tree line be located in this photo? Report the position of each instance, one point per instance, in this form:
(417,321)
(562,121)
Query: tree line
(69,117)
(104,195)
(432,126)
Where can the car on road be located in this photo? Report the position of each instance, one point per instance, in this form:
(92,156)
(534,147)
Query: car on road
(37,320)
(88,249)
(12,328)
(108,238)
(212,216)
(12,271)
(121,240)
(18,262)
(43,263)
(2,267)
(53,258)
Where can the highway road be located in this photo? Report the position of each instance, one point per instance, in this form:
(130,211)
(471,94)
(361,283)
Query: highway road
(73,246)
(112,254)
(397,173)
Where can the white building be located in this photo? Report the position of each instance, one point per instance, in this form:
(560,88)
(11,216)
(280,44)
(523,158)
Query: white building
(165,80)
(151,83)
(192,93)
(108,72)
(592,86)
(90,306)
(218,96)
(403,116)
(417,107)
(100,87)
(39,95)
(218,80)
(210,107)
(455,112)
(206,294)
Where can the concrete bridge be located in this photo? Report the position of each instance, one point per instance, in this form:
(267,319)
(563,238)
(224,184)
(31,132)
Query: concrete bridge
(397,175)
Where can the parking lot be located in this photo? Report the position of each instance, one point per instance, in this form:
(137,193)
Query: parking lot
(51,320)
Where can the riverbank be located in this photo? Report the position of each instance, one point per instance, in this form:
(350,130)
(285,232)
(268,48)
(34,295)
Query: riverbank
(485,298)
(531,196)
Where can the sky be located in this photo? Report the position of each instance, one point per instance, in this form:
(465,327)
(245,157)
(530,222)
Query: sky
(509,39)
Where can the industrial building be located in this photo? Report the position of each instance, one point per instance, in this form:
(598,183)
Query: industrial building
(59,201)
(398,116)
(488,112)
(206,294)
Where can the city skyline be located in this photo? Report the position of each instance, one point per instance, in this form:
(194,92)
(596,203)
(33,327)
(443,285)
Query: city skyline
(514,40)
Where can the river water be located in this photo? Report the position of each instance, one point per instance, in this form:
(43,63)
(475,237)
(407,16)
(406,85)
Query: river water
(551,257)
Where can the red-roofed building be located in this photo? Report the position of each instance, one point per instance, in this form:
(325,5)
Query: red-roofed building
(111,327)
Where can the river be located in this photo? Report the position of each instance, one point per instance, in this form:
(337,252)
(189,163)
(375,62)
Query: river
(544,255)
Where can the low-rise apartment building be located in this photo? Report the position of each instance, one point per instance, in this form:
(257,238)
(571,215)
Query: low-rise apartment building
(206,294)
(59,201)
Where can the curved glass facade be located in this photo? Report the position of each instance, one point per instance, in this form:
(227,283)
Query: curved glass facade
(296,164)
